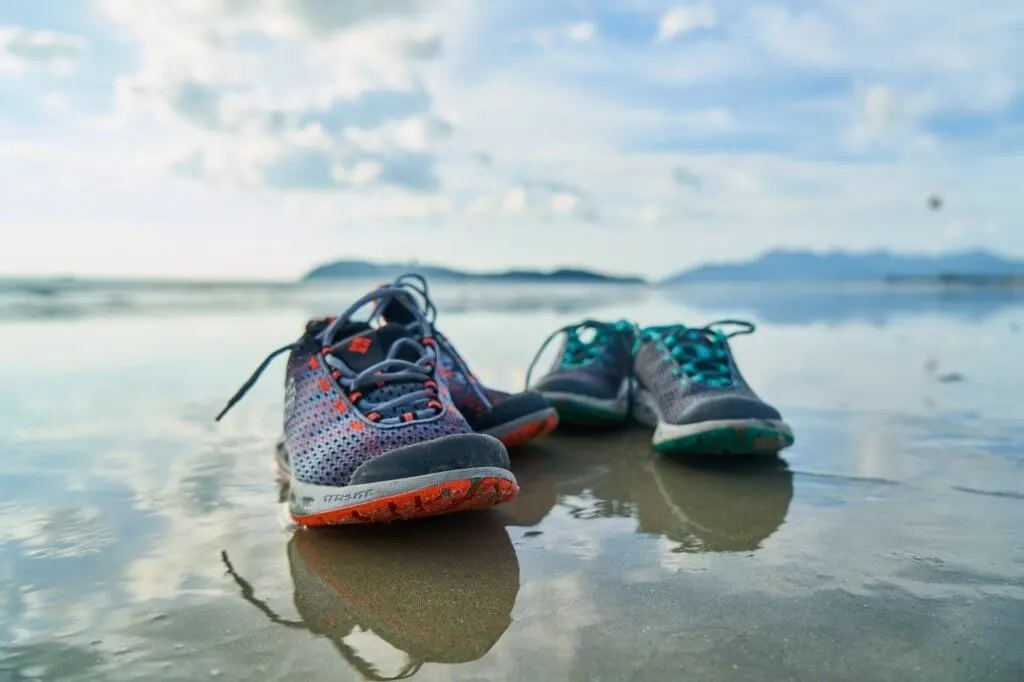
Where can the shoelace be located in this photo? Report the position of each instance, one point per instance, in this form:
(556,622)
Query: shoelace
(390,370)
(699,353)
(417,284)
(579,353)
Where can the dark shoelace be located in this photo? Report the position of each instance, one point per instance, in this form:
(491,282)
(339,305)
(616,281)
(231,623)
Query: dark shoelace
(416,284)
(699,353)
(391,370)
(579,352)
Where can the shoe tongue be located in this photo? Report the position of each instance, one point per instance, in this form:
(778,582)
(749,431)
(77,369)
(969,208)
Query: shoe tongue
(398,310)
(365,349)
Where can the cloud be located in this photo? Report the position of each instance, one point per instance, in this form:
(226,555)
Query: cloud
(686,19)
(751,121)
(806,37)
(684,178)
(574,33)
(359,116)
(650,215)
(582,32)
(22,51)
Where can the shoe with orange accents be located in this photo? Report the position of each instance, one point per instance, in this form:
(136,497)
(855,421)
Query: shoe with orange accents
(513,418)
(371,432)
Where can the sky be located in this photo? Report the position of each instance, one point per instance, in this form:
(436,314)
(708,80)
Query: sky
(258,138)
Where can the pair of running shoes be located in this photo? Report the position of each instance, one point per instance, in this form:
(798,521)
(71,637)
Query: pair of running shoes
(384,420)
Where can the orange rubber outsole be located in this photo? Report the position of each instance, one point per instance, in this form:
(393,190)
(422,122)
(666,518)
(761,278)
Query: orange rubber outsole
(528,432)
(442,498)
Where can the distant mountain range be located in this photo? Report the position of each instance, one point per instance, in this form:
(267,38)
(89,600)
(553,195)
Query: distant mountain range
(774,266)
(356,269)
(785,265)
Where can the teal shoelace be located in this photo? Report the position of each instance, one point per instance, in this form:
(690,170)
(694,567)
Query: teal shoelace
(699,353)
(580,352)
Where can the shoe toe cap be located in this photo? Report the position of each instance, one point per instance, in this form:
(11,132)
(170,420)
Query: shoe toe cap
(728,408)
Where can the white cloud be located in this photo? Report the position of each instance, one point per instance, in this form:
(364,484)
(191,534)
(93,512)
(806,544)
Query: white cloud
(515,201)
(583,31)
(22,51)
(650,215)
(331,95)
(686,19)
(56,101)
(564,204)
(574,33)
(806,37)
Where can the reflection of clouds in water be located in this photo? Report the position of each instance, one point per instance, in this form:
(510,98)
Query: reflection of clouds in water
(673,560)
(836,303)
(386,660)
(207,500)
(562,599)
(59,532)
(321,298)
(897,494)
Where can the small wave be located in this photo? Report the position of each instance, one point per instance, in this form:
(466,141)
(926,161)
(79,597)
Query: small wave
(989,493)
(845,477)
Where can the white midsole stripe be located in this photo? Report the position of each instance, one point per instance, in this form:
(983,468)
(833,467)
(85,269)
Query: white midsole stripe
(646,411)
(308,498)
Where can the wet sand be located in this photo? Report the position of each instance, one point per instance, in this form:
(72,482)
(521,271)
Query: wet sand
(139,540)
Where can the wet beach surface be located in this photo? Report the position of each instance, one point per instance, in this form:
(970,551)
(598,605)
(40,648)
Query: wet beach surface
(140,540)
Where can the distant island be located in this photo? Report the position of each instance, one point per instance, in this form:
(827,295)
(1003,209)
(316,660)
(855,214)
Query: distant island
(955,280)
(979,268)
(964,268)
(357,269)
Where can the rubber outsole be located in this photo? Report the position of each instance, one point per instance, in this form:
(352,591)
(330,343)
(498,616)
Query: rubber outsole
(442,498)
(728,440)
(575,413)
(530,431)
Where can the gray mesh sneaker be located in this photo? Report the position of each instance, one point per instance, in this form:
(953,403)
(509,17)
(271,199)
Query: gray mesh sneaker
(690,389)
(371,433)
(589,383)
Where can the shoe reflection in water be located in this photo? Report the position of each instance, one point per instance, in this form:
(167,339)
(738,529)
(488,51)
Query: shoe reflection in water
(702,505)
(392,598)
(718,506)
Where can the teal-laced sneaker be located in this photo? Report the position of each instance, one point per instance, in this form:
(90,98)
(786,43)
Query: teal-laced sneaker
(590,383)
(691,391)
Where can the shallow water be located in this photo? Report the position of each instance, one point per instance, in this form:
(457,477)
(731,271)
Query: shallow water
(138,539)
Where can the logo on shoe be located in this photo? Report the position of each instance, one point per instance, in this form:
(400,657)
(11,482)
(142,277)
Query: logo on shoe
(360,345)
(348,496)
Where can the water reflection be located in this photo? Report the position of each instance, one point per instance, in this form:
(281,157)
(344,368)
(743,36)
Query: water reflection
(876,304)
(701,505)
(392,598)
(104,299)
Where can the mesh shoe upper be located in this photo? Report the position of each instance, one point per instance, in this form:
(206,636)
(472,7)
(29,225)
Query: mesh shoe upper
(594,366)
(353,392)
(693,376)
(482,407)
(329,431)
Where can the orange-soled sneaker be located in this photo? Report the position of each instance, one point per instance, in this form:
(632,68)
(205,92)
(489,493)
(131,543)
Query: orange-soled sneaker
(371,432)
(513,418)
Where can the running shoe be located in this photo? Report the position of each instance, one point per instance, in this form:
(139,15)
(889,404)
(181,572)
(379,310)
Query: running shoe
(590,381)
(513,418)
(370,430)
(690,389)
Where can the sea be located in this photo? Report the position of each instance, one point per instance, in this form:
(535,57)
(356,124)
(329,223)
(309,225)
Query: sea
(139,539)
